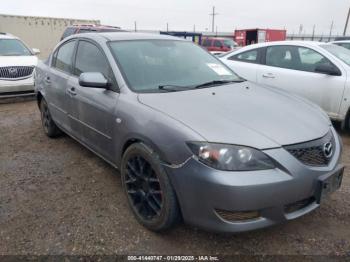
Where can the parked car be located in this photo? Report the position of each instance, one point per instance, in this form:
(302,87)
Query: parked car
(343,43)
(316,71)
(188,135)
(80,29)
(342,38)
(17,64)
(216,44)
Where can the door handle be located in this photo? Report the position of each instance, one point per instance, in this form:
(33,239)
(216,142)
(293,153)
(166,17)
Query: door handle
(71,91)
(268,75)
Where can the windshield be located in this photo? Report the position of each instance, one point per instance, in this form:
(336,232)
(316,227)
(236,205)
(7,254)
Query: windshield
(338,51)
(149,64)
(13,47)
(229,43)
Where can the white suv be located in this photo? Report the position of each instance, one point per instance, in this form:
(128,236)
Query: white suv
(17,64)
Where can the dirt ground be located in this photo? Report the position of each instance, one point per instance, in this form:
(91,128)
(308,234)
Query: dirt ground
(56,197)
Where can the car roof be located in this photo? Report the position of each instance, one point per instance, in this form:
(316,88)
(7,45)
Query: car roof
(289,42)
(120,36)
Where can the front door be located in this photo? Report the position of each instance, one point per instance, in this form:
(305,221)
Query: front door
(94,109)
(292,68)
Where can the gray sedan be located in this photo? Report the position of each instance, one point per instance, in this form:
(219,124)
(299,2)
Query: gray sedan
(191,139)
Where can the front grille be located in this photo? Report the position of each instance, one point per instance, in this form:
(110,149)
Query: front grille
(290,208)
(15,72)
(234,216)
(314,153)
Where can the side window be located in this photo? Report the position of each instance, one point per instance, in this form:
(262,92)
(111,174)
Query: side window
(310,59)
(217,43)
(63,57)
(89,58)
(282,56)
(206,42)
(249,56)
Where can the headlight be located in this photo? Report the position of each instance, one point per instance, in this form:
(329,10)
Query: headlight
(231,157)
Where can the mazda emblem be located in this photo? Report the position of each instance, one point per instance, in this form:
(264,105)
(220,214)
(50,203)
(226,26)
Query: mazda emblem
(328,150)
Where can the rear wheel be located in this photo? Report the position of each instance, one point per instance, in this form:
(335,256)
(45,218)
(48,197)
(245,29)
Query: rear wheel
(148,189)
(50,128)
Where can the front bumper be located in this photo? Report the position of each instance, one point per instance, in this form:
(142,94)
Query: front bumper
(203,191)
(11,87)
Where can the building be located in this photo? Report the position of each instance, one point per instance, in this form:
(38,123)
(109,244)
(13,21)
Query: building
(38,32)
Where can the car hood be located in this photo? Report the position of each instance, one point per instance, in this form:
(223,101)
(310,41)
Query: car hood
(243,114)
(18,61)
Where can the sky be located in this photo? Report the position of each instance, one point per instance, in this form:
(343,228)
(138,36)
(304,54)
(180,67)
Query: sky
(187,14)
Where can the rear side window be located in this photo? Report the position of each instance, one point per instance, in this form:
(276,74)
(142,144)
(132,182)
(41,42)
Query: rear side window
(90,58)
(248,56)
(69,31)
(207,42)
(64,56)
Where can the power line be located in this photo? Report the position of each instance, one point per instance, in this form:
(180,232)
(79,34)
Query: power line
(213,14)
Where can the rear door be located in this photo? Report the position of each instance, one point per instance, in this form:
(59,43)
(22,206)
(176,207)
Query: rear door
(292,68)
(245,64)
(94,109)
(56,83)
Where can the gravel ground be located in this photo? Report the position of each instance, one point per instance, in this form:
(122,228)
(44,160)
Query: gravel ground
(56,197)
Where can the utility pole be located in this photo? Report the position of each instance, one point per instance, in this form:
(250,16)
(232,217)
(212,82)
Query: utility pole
(313,33)
(346,23)
(301,29)
(330,31)
(167,27)
(135,25)
(213,14)
(194,28)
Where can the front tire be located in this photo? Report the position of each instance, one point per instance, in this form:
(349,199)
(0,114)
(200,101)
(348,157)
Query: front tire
(149,191)
(50,128)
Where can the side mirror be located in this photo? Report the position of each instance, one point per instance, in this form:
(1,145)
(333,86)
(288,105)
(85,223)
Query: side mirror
(94,80)
(36,51)
(328,70)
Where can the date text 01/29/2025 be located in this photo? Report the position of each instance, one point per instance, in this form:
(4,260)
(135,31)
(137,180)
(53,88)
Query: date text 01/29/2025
(173,258)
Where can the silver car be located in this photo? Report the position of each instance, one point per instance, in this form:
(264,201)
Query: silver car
(191,139)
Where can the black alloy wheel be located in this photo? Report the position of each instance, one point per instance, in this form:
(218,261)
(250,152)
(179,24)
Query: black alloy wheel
(149,191)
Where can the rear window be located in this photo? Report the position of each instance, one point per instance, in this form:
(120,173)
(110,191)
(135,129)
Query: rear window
(110,30)
(69,31)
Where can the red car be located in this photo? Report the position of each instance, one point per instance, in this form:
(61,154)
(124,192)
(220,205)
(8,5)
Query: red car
(79,29)
(216,44)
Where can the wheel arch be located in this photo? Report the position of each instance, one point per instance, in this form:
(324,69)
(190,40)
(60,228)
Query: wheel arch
(136,138)
(39,97)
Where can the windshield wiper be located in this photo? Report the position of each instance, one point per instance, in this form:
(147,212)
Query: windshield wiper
(218,82)
(172,88)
